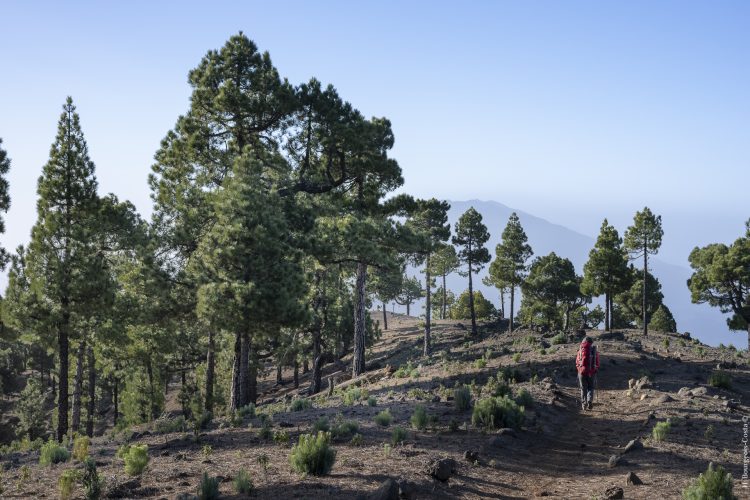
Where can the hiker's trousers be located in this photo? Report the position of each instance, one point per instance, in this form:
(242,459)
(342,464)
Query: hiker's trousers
(586,383)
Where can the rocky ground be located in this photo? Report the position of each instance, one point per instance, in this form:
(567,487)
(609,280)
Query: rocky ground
(559,452)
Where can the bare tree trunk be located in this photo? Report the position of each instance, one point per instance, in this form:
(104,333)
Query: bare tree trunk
(152,391)
(607,323)
(62,397)
(91,407)
(78,387)
(279,377)
(235,394)
(317,369)
(208,404)
(244,369)
(502,303)
(748,336)
(296,373)
(358,361)
(444,311)
(385,318)
(645,273)
(305,366)
(116,401)
(252,379)
(512,298)
(428,307)
(471,299)
(408,308)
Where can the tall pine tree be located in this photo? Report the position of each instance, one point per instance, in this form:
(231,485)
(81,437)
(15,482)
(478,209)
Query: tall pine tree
(642,239)
(471,235)
(4,199)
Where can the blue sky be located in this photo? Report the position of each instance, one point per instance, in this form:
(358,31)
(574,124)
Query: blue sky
(572,111)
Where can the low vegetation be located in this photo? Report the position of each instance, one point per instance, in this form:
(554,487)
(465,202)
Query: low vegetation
(497,412)
(313,454)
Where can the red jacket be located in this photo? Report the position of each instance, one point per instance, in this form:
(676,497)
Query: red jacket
(584,354)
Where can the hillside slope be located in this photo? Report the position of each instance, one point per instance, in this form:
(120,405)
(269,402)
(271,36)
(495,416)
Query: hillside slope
(559,451)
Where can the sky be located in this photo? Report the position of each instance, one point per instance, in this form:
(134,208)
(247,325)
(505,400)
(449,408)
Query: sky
(571,111)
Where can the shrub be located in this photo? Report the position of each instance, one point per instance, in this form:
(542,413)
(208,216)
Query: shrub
(313,454)
(357,440)
(384,418)
(386,450)
(406,370)
(558,339)
(419,418)
(371,401)
(495,412)
(721,380)
(661,430)
(524,398)
(265,430)
(91,480)
(300,404)
(281,437)
(511,375)
(462,398)
(344,428)
(30,410)
(208,489)
(398,435)
(81,448)
(136,459)
(480,363)
(66,482)
(483,308)
(202,420)
(453,425)
(53,453)
(247,411)
(170,425)
(709,433)
(714,484)
(517,357)
(496,387)
(321,424)
(207,451)
(243,485)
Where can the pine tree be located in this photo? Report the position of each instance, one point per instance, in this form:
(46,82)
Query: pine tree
(387,283)
(606,271)
(444,261)
(511,254)
(663,321)
(721,278)
(4,199)
(642,239)
(630,301)
(552,289)
(411,290)
(430,221)
(252,277)
(471,235)
(60,251)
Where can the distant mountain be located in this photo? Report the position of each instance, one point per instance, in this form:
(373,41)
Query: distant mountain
(702,321)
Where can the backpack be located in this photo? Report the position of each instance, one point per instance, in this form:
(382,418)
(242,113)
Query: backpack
(586,359)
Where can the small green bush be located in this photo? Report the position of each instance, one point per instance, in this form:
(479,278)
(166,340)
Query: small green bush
(480,363)
(136,459)
(321,424)
(300,404)
(406,370)
(53,453)
(202,421)
(720,379)
(313,454)
(398,435)
(517,357)
(91,480)
(524,398)
(281,437)
(81,448)
(208,489)
(714,484)
(357,440)
(207,450)
(247,411)
(462,398)
(66,483)
(496,412)
(384,418)
(243,485)
(419,418)
(265,430)
(170,425)
(371,401)
(344,428)
(661,430)
(558,339)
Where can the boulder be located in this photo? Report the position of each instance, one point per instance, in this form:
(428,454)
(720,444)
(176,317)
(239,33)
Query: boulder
(613,493)
(664,398)
(613,461)
(632,480)
(471,456)
(684,391)
(633,445)
(441,469)
(699,391)
(388,490)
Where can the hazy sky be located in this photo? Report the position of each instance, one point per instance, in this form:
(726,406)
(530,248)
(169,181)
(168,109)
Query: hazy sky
(572,111)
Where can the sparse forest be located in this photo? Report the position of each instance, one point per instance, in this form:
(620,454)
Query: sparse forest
(276,247)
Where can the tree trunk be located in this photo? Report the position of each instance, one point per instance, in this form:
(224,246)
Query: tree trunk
(296,373)
(358,361)
(428,307)
(471,302)
(235,394)
(116,401)
(91,407)
(305,366)
(208,404)
(512,298)
(645,273)
(502,303)
(152,391)
(385,318)
(279,377)
(62,397)
(244,369)
(445,300)
(566,320)
(607,323)
(748,335)
(252,379)
(315,385)
(408,311)
(75,425)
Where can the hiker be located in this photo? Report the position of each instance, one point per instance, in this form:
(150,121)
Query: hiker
(587,364)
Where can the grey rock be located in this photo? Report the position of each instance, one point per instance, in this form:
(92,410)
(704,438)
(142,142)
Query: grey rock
(664,398)
(388,490)
(632,480)
(699,391)
(684,391)
(441,469)
(613,461)
(613,493)
(633,445)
